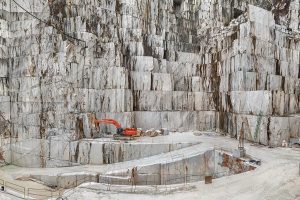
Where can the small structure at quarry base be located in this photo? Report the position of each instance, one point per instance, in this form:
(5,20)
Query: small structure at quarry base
(139,97)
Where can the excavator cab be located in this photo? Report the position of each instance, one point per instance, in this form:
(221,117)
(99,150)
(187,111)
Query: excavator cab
(120,131)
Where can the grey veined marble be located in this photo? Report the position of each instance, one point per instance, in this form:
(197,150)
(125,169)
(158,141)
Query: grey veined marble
(176,64)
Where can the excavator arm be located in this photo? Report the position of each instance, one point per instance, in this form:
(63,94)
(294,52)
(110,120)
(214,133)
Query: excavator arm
(107,121)
(110,122)
(120,130)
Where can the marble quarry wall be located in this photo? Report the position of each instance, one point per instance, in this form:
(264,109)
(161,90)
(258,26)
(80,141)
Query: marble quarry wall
(176,64)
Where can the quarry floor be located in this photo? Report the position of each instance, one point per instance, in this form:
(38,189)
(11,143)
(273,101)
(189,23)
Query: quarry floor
(276,178)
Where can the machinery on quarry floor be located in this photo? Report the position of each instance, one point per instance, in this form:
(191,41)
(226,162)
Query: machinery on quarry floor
(122,133)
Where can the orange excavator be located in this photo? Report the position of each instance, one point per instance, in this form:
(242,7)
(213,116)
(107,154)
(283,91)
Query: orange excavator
(122,133)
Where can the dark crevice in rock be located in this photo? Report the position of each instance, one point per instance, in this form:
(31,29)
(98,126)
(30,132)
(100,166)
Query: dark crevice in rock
(268,130)
(79,128)
(121,154)
(147,48)
(277,67)
(177,4)
(237,13)
(76,152)
(282,83)
(103,152)
(280,9)
(89,153)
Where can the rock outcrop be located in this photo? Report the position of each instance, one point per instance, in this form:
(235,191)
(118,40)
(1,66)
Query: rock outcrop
(177,64)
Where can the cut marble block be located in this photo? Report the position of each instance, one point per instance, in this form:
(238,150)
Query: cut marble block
(182,83)
(140,80)
(262,129)
(142,63)
(294,127)
(162,82)
(152,100)
(3,68)
(28,153)
(255,128)
(177,120)
(242,81)
(279,130)
(205,84)
(205,101)
(116,100)
(251,102)
(5,107)
(256,14)
(117,78)
(185,57)
(142,119)
(183,100)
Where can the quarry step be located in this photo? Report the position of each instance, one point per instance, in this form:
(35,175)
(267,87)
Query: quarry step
(206,65)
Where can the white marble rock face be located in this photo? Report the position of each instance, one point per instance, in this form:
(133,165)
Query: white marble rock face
(182,65)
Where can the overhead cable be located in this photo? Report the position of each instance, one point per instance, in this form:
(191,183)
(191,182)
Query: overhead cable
(41,20)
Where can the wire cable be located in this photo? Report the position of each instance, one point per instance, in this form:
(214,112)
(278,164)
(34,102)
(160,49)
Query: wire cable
(62,32)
